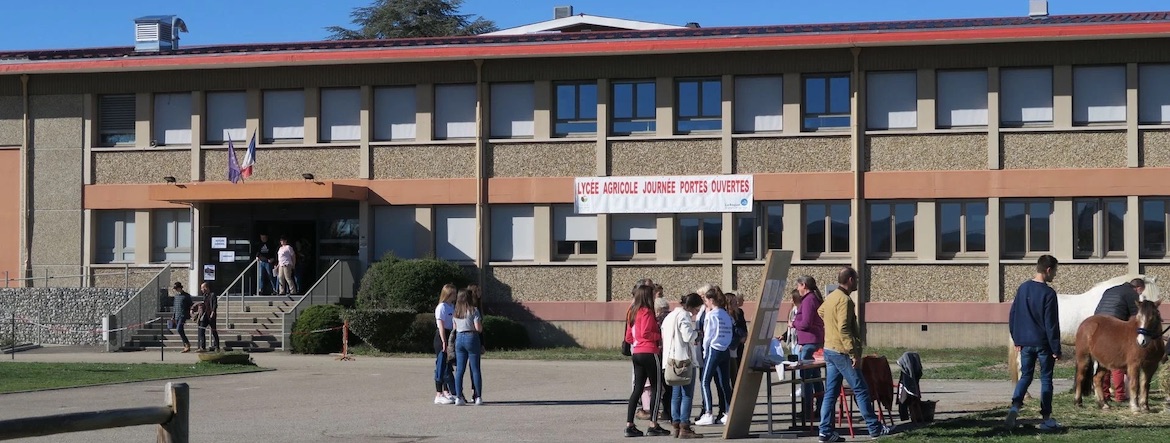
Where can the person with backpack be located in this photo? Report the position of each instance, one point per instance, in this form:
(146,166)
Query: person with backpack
(468,325)
(679,351)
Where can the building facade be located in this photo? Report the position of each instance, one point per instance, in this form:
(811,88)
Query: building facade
(940,158)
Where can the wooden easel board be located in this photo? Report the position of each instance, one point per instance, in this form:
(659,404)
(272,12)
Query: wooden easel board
(760,333)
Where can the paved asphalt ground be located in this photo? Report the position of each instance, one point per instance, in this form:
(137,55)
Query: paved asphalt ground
(320,399)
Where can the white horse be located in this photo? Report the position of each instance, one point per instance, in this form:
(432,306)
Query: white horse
(1075,308)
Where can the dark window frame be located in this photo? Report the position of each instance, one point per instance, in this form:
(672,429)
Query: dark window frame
(893,220)
(806,115)
(965,248)
(650,121)
(1028,251)
(701,117)
(827,226)
(575,119)
(1101,224)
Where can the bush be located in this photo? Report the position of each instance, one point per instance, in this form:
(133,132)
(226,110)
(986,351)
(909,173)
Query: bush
(316,318)
(420,336)
(503,333)
(393,283)
(383,329)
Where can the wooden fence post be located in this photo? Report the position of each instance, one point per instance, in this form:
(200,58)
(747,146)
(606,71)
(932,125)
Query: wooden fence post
(179,400)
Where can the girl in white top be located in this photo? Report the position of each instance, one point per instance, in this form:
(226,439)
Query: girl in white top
(680,343)
(717,361)
(444,319)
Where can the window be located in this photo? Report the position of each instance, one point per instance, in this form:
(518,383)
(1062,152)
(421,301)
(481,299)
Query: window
(454,111)
(826,101)
(394,113)
(455,233)
(513,233)
(1098,94)
(746,245)
(1027,227)
(171,232)
(892,100)
(172,119)
(513,108)
(633,236)
(700,235)
(962,98)
(759,104)
(1154,227)
(771,226)
(634,108)
(341,111)
(1098,227)
(1025,97)
(826,228)
(116,119)
(574,234)
(962,227)
(891,228)
(284,116)
(227,115)
(115,237)
(1154,94)
(700,105)
(395,230)
(576,108)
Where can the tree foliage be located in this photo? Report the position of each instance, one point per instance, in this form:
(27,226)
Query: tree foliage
(386,19)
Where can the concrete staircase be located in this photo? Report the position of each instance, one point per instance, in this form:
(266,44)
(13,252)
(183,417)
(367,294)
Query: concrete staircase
(256,326)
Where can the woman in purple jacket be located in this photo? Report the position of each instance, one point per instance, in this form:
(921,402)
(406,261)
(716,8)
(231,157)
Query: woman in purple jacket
(810,335)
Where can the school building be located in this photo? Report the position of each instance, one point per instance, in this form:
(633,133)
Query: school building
(939,157)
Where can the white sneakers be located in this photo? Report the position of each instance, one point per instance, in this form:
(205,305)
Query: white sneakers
(478,401)
(709,420)
(459,402)
(444,400)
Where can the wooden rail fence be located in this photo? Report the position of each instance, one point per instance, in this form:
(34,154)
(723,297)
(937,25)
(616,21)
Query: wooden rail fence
(172,419)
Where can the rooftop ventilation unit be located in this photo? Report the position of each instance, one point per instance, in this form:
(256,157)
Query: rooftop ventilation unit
(155,33)
(562,12)
(1037,8)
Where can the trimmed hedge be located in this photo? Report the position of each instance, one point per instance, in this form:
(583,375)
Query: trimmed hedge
(315,318)
(420,336)
(393,283)
(384,329)
(504,333)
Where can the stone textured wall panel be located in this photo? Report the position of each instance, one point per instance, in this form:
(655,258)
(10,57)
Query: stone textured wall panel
(1063,150)
(541,283)
(55,121)
(748,278)
(56,179)
(56,238)
(921,283)
(791,154)
(127,166)
(1155,149)
(70,313)
(139,277)
(413,162)
(1072,278)
(937,152)
(675,280)
(289,163)
(543,160)
(11,115)
(669,157)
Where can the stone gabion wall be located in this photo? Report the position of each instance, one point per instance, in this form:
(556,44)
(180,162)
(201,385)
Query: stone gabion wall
(69,315)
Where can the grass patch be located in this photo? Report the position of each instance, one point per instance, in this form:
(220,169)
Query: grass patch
(1087,424)
(31,376)
(554,354)
(968,364)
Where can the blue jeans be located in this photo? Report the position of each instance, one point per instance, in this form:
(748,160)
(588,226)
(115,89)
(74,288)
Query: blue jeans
(717,366)
(467,352)
(838,366)
(266,281)
(806,353)
(1028,357)
(681,398)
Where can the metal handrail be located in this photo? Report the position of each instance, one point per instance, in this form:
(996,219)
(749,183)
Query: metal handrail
(227,306)
(139,309)
(335,284)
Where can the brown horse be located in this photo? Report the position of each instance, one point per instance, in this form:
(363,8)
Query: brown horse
(1104,343)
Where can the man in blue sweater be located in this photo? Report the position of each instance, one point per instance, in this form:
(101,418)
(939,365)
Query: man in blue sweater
(1034,323)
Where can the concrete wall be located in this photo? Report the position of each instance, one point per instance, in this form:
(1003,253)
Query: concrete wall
(57,151)
(68,315)
(936,335)
(569,159)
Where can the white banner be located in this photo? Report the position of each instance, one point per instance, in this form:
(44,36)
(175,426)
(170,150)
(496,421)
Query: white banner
(666,194)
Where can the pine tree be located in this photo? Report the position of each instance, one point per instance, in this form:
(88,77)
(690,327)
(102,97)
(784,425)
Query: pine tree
(411,19)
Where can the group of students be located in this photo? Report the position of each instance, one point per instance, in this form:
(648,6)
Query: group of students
(184,308)
(458,345)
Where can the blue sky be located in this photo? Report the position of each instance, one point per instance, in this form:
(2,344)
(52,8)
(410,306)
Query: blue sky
(51,24)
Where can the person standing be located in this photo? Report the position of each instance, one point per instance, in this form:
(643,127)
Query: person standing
(738,333)
(810,335)
(265,257)
(1034,323)
(207,321)
(645,339)
(182,312)
(468,327)
(843,358)
(679,343)
(286,267)
(717,357)
(444,319)
(1120,302)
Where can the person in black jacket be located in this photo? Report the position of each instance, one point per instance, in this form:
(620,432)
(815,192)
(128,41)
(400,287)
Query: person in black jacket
(1120,302)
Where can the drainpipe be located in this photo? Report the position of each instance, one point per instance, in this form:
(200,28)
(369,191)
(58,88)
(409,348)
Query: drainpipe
(25,184)
(857,231)
(480,179)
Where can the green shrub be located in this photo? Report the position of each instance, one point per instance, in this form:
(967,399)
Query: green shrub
(420,336)
(393,283)
(316,318)
(383,329)
(503,333)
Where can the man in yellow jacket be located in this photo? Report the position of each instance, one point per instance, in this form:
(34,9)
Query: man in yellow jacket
(843,358)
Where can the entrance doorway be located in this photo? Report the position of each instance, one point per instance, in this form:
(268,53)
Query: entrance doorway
(302,236)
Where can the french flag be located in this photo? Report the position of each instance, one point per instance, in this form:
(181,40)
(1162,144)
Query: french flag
(249,158)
